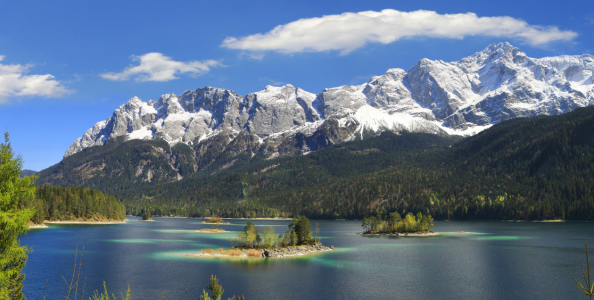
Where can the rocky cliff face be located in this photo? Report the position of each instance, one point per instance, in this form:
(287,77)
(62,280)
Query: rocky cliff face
(463,97)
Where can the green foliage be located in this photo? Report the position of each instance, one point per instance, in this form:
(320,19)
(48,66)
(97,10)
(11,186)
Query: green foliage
(299,233)
(301,227)
(14,218)
(248,238)
(215,288)
(118,165)
(589,289)
(146,216)
(217,291)
(105,294)
(74,203)
(270,238)
(395,223)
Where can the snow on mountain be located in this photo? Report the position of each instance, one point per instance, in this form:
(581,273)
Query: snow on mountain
(463,97)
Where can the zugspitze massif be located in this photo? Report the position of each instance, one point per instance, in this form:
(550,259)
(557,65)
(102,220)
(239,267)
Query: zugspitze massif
(463,97)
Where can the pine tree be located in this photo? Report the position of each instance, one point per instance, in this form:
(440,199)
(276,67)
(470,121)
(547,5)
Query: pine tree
(13,221)
(302,227)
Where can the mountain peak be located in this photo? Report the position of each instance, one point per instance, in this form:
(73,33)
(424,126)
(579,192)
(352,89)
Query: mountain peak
(501,45)
(500,51)
(465,97)
(134,99)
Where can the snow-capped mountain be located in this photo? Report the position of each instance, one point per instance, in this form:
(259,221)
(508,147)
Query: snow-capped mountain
(463,97)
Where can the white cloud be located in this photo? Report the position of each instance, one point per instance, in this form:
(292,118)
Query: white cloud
(349,31)
(14,82)
(155,66)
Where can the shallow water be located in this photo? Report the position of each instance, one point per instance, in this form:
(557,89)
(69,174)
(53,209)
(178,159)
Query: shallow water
(491,260)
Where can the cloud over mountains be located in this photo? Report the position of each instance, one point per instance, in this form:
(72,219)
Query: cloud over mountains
(155,66)
(350,31)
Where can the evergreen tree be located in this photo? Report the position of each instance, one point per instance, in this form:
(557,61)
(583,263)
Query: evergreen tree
(13,221)
(302,228)
(147,216)
(217,291)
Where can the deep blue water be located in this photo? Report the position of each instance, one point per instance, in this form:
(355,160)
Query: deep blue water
(502,260)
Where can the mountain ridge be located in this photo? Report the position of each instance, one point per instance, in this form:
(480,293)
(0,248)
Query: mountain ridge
(463,97)
(522,168)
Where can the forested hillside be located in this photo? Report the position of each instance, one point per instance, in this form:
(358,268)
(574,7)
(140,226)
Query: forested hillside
(529,168)
(116,166)
(539,168)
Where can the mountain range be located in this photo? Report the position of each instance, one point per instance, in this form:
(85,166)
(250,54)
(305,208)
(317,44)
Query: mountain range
(496,135)
(456,98)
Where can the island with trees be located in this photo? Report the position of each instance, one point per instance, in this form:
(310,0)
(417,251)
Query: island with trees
(215,220)
(215,228)
(395,225)
(147,216)
(298,240)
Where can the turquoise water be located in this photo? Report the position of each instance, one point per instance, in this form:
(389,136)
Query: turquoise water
(490,260)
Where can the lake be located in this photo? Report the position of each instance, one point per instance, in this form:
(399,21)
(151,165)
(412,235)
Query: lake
(491,260)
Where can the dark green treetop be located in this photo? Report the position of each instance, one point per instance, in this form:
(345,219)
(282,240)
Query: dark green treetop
(302,228)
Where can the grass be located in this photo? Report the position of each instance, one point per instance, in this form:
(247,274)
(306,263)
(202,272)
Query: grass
(254,253)
(230,252)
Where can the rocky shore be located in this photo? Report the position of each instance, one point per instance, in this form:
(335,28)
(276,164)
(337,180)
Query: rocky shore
(400,233)
(296,251)
(267,253)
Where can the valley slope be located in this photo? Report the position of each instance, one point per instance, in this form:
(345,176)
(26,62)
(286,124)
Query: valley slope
(393,143)
(526,168)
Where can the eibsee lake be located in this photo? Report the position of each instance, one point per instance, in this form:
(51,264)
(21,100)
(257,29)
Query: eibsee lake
(491,260)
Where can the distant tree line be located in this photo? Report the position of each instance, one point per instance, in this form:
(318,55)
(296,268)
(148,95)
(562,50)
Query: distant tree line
(73,203)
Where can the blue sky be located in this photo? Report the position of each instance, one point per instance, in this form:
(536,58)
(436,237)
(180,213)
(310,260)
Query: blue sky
(65,65)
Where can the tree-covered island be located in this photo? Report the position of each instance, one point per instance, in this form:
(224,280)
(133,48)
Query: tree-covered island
(298,240)
(394,224)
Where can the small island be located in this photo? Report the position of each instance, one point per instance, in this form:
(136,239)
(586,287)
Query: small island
(215,228)
(297,241)
(217,221)
(395,225)
(211,230)
(147,216)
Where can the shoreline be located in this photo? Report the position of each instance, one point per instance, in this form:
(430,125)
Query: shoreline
(38,226)
(273,253)
(405,234)
(87,222)
(270,219)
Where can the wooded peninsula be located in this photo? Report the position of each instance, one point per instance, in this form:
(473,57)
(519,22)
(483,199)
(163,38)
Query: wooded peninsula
(54,203)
